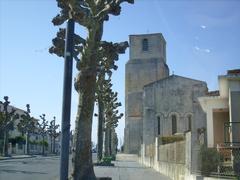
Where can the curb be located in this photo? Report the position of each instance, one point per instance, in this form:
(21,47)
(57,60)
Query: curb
(11,158)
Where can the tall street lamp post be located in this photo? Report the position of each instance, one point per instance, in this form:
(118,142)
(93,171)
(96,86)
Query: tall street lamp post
(66,104)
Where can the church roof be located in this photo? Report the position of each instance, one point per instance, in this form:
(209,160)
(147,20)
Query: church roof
(173,77)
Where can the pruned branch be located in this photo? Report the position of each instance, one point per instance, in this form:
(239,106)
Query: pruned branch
(59,44)
(112,7)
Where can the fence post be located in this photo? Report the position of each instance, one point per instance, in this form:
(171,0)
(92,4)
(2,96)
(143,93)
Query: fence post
(188,155)
(156,150)
(9,148)
(16,148)
(143,159)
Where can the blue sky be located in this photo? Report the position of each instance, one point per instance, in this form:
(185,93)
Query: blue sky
(202,43)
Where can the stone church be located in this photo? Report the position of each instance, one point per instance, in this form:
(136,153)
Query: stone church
(158,104)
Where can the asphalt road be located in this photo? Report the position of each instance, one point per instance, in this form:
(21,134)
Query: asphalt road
(37,168)
(47,168)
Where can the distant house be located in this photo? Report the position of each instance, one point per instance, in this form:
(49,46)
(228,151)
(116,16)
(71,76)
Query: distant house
(35,138)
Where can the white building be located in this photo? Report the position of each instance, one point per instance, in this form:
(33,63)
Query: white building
(223,111)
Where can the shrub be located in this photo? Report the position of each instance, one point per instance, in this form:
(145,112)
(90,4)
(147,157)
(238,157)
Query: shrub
(17,139)
(33,142)
(107,159)
(210,159)
(45,143)
(113,157)
(236,162)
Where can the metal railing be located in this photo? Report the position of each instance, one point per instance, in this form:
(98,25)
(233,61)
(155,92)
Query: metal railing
(230,159)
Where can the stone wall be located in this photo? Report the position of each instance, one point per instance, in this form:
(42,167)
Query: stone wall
(173,160)
(172,153)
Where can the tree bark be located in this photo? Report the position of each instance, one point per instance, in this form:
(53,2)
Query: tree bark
(27,142)
(82,156)
(86,87)
(51,146)
(100,129)
(106,142)
(43,145)
(5,143)
(54,140)
(110,142)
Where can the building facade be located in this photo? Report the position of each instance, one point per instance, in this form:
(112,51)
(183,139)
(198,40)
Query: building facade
(222,110)
(170,119)
(171,107)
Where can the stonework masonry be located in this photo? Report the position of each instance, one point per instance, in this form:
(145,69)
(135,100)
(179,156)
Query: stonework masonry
(174,96)
(147,64)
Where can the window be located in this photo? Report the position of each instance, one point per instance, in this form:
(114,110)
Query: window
(158,125)
(174,124)
(189,119)
(145,45)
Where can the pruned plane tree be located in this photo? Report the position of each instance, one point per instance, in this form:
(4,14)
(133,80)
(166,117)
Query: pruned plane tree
(94,57)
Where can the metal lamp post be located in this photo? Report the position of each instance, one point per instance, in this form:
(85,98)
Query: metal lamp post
(66,104)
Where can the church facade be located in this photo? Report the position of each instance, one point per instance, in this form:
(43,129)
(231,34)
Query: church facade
(156,103)
(171,107)
(170,118)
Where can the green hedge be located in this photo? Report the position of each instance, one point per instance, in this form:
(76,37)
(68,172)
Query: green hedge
(45,143)
(171,139)
(17,139)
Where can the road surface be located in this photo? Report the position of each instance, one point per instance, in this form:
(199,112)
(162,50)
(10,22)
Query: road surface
(47,168)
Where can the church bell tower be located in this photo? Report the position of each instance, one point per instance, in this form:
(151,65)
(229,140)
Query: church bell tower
(147,64)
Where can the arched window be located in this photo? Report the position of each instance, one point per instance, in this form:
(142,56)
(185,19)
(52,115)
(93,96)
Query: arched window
(174,124)
(145,44)
(189,121)
(158,125)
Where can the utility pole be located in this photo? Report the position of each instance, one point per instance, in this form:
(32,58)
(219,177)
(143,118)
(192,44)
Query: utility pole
(66,104)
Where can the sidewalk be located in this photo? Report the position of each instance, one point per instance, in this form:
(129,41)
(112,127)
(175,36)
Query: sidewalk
(127,168)
(23,156)
(16,157)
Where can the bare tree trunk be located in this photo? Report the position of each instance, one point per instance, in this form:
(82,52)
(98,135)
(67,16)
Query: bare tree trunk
(43,145)
(110,142)
(54,139)
(82,156)
(100,129)
(86,87)
(5,143)
(51,147)
(27,142)
(106,143)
